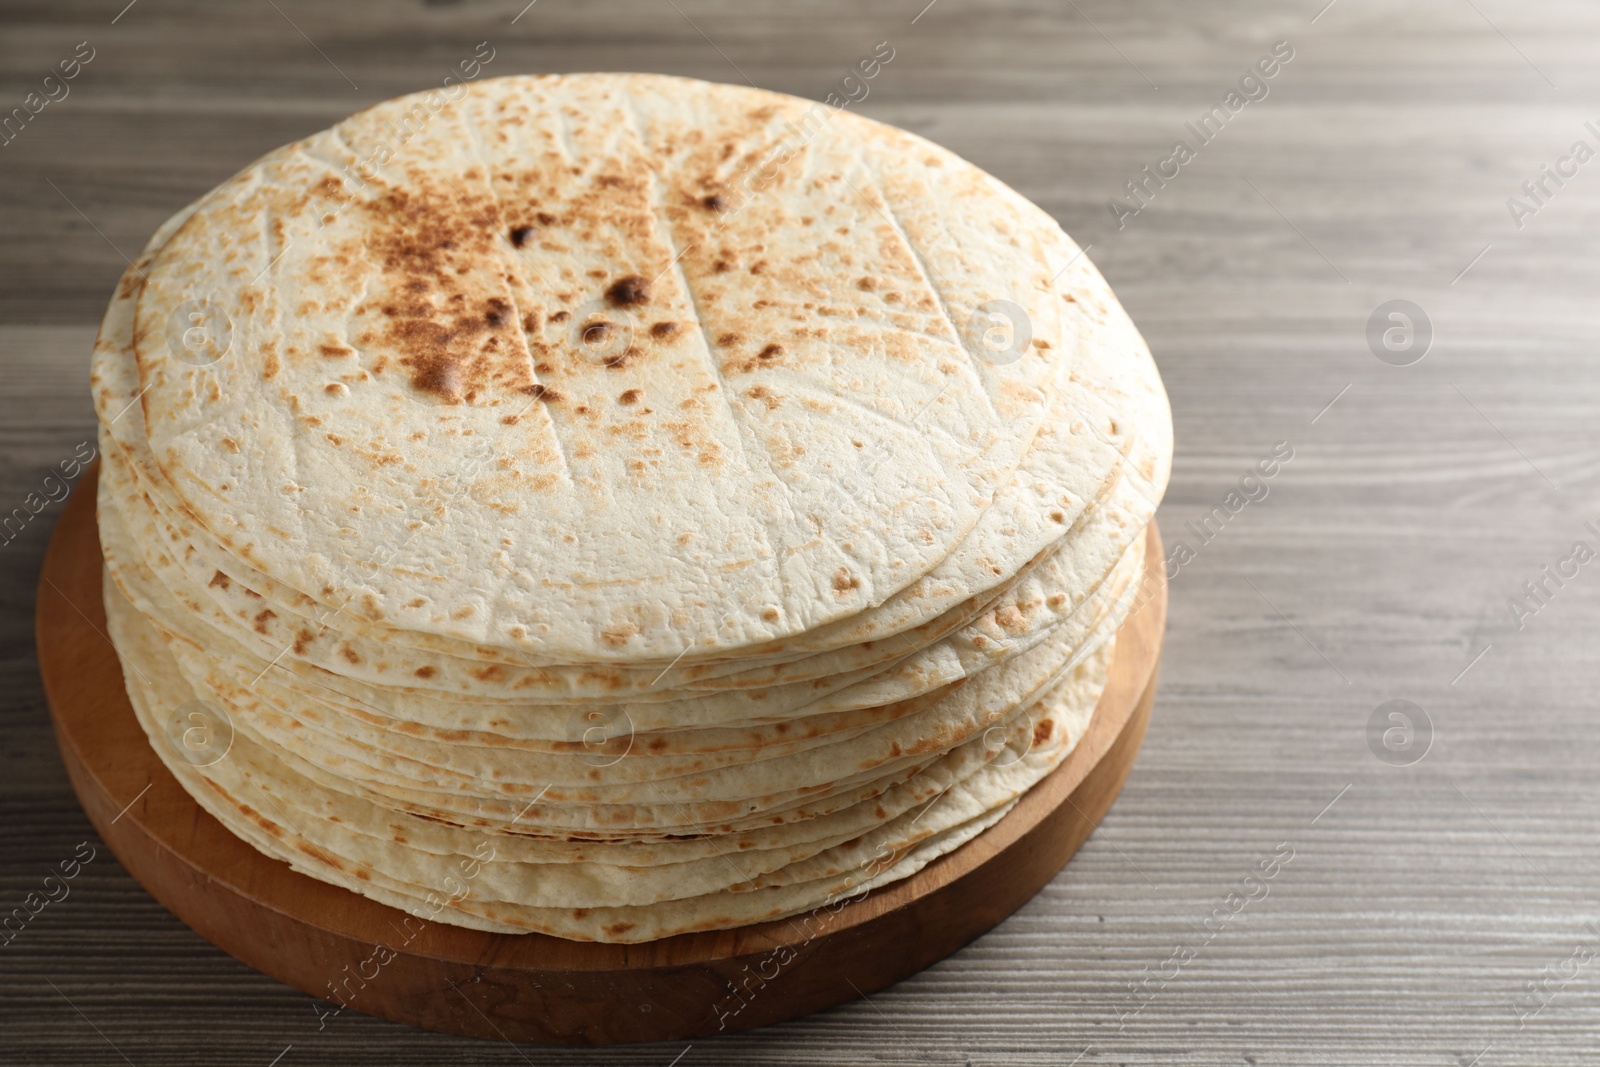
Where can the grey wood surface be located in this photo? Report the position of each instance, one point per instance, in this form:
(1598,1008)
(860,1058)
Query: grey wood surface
(1437,913)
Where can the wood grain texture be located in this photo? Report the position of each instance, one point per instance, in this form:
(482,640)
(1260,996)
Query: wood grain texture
(1416,910)
(325,940)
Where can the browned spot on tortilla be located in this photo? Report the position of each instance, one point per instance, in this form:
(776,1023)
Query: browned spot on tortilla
(335,351)
(1041,732)
(844,581)
(630,397)
(542,392)
(492,672)
(663,330)
(520,235)
(219,580)
(628,291)
(765,395)
(769,614)
(424,671)
(131,283)
(728,339)
(302,641)
(770,352)
(264,616)
(449,322)
(617,634)
(617,362)
(716,202)
(349,653)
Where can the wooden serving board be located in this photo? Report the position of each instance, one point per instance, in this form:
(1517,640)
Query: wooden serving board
(361,955)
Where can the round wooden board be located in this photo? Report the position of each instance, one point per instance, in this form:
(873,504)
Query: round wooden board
(355,953)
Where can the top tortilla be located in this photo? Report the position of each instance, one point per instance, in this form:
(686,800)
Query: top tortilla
(407,426)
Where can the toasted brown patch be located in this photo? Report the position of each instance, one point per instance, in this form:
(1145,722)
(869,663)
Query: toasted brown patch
(628,291)
(453,336)
(617,362)
(617,634)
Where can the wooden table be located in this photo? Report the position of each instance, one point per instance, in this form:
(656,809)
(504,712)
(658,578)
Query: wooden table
(1425,910)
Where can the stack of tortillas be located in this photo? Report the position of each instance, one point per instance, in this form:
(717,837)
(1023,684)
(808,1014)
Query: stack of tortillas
(618,505)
